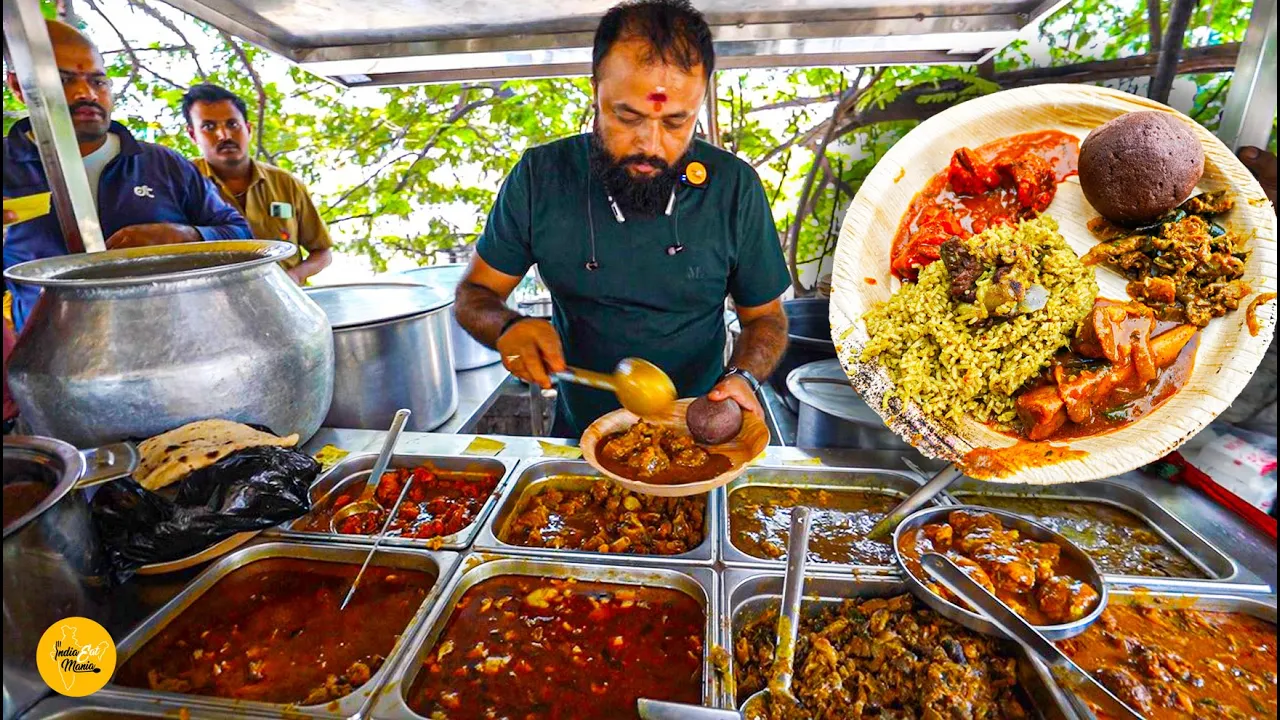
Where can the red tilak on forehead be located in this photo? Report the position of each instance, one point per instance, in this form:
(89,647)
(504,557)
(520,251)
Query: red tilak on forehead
(657,97)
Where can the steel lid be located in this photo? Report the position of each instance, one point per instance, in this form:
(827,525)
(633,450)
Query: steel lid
(823,385)
(441,276)
(363,304)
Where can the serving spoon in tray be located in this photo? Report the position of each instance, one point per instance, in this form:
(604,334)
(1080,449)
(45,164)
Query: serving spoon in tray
(380,467)
(1068,675)
(784,653)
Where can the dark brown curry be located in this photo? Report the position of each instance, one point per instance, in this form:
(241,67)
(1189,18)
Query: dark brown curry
(1031,577)
(884,658)
(760,523)
(21,497)
(653,454)
(1179,664)
(607,518)
(1120,542)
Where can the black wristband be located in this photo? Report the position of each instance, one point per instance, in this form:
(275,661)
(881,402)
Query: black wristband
(512,321)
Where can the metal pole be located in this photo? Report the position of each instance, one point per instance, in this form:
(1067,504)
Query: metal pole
(1251,103)
(713,123)
(31,53)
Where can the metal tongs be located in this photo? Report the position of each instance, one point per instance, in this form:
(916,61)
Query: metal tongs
(1067,673)
(380,467)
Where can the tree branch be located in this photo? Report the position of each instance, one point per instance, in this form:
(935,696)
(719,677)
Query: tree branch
(134,63)
(173,28)
(257,85)
(1153,25)
(1180,12)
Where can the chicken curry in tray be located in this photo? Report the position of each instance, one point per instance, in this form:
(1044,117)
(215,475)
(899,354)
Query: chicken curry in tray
(1031,577)
(546,649)
(883,658)
(272,632)
(1172,663)
(604,517)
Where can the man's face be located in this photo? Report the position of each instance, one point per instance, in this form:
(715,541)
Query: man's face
(221,133)
(87,87)
(645,115)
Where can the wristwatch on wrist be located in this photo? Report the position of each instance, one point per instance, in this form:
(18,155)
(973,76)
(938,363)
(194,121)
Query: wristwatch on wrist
(744,374)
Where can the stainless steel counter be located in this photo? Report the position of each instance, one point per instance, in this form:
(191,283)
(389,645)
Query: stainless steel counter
(477,391)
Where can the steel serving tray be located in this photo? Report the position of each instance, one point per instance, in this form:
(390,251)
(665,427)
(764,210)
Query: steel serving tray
(439,563)
(750,592)
(537,476)
(894,483)
(99,707)
(1263,608)
(354,471)
(701,583)
(1220,569)
(1028,530)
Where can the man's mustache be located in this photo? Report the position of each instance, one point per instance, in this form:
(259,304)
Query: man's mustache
(228,145)
(654,162)
(87,104)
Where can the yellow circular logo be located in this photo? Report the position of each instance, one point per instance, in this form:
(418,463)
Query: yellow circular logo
(696,173)
(76,656)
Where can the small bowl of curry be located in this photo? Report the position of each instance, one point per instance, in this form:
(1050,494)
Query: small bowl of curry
(657,455)
(1037,573)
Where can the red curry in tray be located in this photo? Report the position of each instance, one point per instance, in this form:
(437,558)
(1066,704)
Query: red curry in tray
(437,504)
(1002,182)
(272,632)
(545,649)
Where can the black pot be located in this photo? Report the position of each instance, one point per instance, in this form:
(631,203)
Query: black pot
(808,340)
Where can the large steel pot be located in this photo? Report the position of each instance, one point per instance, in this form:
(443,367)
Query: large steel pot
(808,340)
(132,343)
(392,351)
(832,415)
(54,567)
(468,353)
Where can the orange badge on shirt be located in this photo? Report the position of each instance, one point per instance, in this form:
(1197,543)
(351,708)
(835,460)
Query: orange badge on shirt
(695,174)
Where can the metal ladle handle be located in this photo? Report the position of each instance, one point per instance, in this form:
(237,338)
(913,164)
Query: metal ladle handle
(915,501)
(663,710)
(380,467)
(792,595)
(1022,632)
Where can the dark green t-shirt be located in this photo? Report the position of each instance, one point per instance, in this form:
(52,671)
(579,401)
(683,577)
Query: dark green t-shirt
(640,301)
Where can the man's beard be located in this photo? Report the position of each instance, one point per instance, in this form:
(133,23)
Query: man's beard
(635,195)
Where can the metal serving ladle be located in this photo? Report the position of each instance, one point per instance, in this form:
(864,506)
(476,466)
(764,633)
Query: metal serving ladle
(916,500)
(375,476)
(784,654)
(1067,673)
(641,387)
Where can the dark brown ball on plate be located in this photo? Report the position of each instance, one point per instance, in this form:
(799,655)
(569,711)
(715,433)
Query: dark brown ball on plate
(713,422)
(1140,166)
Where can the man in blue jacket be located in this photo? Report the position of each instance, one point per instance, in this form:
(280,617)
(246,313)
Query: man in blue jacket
(146,194)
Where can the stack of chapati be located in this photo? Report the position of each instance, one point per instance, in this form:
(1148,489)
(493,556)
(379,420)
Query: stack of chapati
(169,457)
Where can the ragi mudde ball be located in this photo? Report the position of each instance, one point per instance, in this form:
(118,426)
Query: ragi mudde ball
(712,422)
(1140,166)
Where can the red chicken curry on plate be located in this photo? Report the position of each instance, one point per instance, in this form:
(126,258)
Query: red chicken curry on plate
(1001,182)
(1031,577)
(647,452)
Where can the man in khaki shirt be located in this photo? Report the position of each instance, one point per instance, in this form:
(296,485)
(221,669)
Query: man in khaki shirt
(276,204)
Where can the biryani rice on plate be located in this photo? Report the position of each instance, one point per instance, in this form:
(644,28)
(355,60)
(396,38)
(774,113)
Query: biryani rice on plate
(981,322)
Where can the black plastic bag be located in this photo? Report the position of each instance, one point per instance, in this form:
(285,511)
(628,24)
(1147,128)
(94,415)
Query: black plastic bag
(251,489)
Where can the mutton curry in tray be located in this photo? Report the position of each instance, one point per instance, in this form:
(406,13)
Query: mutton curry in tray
(1177,663)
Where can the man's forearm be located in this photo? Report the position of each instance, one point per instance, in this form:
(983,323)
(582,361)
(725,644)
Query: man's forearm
(314,263)
(482,313)
(761,345)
